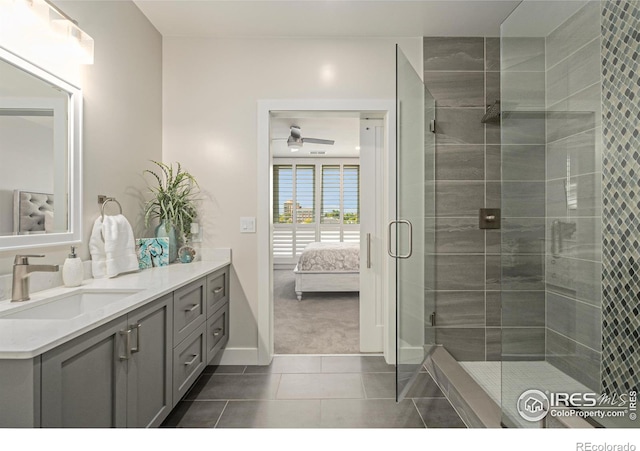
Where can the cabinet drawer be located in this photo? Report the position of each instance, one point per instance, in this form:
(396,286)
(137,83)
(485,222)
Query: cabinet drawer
(188,309)
(217,290)
(188,362)
(217,332)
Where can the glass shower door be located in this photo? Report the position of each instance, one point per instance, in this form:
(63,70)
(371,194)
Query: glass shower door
(413,242)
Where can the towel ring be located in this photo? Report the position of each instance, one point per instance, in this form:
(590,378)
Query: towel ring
(110,199)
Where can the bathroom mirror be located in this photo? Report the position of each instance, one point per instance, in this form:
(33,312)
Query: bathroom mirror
(40,156)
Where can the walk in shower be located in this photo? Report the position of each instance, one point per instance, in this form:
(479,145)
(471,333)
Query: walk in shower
(550,301)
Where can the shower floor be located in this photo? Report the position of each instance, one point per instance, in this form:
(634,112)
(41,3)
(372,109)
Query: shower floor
(504,382)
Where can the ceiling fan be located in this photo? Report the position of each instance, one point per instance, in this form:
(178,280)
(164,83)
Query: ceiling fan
(295,139)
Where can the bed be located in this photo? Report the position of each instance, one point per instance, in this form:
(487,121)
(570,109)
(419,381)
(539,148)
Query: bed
(328,267)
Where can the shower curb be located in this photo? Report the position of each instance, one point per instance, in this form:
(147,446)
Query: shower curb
(473,404)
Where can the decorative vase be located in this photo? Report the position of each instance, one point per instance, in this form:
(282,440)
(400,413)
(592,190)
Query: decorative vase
(161,231)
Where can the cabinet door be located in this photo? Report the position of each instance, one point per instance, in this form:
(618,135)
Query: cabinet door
(84,380)
(149,387)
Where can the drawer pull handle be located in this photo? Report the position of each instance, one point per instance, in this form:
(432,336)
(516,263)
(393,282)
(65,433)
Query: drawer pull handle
(217,331)
(192,361)
(192,308)
(127,344)
(217,290)
(137,329)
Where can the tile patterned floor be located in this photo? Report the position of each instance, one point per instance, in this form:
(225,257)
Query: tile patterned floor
(311,392)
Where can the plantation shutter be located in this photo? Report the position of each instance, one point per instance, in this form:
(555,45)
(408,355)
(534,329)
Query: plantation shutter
(282,194)
(305,194)
(331,204)
(351,194)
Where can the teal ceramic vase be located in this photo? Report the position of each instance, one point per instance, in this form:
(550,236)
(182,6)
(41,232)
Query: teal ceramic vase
(162,232)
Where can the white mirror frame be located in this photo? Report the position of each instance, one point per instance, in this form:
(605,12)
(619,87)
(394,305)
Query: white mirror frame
(74,184)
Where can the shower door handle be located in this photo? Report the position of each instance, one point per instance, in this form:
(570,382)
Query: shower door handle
(407,255)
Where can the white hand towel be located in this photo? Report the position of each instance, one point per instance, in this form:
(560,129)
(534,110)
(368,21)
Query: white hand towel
(96,249)
(119,245)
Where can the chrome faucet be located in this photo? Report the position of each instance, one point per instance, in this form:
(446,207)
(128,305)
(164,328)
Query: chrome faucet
(21,272)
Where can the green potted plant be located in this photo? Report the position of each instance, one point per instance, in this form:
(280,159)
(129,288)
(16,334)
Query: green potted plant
(175,192)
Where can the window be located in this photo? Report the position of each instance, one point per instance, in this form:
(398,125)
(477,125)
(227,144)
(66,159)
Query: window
(291,205)
(340,194)
(314,201)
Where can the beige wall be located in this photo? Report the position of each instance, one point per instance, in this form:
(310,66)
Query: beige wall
(122,113)
(210,92)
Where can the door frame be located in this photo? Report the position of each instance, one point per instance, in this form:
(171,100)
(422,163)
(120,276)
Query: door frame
(265,320)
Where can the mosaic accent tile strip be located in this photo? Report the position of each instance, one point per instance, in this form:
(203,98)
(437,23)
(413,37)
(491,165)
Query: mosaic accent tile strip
(621,196)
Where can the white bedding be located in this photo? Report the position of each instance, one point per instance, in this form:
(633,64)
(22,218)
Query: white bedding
(330,257)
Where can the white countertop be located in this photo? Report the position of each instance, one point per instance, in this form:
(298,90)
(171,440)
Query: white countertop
(27,338)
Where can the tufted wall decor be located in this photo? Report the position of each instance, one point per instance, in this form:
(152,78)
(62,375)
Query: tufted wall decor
(32,212)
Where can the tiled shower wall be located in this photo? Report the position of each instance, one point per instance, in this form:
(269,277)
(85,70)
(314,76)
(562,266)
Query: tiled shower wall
(570,167)
(463,75)
(574,201)
(620,27)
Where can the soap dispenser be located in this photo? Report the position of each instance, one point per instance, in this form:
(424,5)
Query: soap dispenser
(72,270)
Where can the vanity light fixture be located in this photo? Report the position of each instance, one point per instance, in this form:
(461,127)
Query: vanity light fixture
(43,33)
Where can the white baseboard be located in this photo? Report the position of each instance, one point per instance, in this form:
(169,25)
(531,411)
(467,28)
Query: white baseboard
(412,354)
(236,356)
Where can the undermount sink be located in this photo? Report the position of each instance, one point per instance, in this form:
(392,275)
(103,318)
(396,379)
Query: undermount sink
(71,305)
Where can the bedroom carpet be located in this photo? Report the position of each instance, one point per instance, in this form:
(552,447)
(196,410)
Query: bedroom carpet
(322,323)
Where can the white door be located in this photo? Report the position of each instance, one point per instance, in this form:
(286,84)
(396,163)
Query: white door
(371,239)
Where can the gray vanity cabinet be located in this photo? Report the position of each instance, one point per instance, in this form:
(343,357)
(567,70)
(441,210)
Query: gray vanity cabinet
(129,372)
(201,328)
(118,375)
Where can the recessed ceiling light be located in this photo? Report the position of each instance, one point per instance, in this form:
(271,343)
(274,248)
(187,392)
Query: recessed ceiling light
(357,147)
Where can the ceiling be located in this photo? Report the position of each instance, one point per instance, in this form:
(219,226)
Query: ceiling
(326,18)
(343,128)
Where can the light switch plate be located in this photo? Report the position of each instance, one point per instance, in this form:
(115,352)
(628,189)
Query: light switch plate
(248,225)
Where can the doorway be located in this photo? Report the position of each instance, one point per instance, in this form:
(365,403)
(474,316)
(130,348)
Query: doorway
(309,215)
(317,180)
